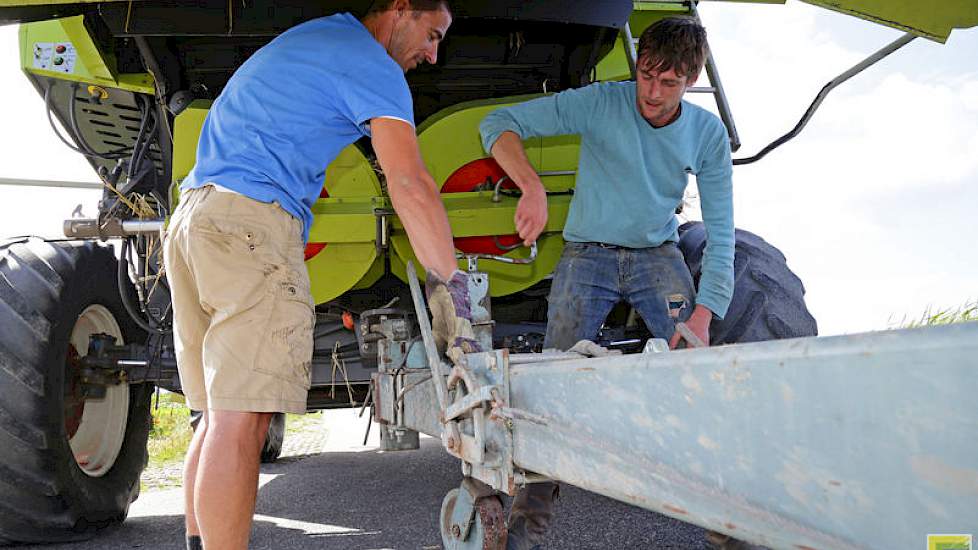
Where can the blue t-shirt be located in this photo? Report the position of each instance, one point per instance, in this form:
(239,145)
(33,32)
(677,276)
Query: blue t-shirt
(292,106)
(631,176)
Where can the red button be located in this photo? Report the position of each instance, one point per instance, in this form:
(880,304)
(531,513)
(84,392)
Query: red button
(60,48)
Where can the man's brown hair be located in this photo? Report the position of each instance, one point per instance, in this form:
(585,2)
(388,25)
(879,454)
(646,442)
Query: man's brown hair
(673,43)
(416,5)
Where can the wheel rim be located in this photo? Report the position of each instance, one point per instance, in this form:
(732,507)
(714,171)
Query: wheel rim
(101,427)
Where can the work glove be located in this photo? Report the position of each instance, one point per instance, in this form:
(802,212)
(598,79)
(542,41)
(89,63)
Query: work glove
(451,315)
(588,348)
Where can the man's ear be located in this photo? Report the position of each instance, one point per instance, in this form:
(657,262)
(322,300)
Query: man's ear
(400,6)
(691,81)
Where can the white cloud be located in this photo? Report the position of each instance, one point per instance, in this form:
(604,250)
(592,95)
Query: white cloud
(901,133)
(859,201)
(969,95)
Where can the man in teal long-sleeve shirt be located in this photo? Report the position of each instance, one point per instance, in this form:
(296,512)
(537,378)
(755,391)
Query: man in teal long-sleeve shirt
(640,142)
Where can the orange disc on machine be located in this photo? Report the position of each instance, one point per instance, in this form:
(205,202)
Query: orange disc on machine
(480,175)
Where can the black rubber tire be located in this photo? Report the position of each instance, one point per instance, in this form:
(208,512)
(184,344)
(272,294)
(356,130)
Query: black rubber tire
(273,441)
(272,449)
(769,299)
(44,286)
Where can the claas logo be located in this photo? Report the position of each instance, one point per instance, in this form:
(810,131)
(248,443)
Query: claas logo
(949,542)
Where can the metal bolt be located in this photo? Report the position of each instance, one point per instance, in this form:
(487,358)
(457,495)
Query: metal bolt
(456,530)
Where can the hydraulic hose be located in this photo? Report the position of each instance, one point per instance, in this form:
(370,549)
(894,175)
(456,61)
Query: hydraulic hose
(142,142)
(123,280)
(111,155)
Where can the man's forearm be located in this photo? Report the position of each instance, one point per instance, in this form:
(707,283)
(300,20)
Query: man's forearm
(420,209)
(414,194)
(509,153)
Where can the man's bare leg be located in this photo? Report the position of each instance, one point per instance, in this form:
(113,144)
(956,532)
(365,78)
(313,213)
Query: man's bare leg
(190,475)
(227,477)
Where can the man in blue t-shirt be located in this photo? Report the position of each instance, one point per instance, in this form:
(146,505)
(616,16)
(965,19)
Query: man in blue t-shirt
(243,312)
(639,143)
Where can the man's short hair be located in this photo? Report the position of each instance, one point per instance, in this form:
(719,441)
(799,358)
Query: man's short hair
(673,43)
(417,5)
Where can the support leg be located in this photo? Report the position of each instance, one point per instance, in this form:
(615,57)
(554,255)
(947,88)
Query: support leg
(472,518)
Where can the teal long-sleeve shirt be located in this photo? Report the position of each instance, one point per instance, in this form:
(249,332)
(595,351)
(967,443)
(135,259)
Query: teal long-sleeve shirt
(631,176)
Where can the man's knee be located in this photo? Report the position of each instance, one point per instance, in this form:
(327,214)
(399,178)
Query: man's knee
(244,427)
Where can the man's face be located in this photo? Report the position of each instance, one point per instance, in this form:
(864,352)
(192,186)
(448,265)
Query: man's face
(659,93)
(416,36)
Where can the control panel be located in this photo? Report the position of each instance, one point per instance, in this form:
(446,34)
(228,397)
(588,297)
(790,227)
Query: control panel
(55,56)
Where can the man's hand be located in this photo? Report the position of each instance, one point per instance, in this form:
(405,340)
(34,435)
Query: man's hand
(451,315)
(531,214)
(699,323)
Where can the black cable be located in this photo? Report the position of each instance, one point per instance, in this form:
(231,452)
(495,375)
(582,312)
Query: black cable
(77,134)
(517,193)
(123,280)
(794,131)
(47,107)
(77,137)
(73,122)
(142,141)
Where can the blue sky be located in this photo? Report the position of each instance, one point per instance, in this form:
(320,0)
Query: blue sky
(874,204)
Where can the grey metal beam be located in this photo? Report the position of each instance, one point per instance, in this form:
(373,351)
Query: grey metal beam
(863,441)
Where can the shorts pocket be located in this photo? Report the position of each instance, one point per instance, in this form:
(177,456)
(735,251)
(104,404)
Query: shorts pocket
(231,235)
(287,347)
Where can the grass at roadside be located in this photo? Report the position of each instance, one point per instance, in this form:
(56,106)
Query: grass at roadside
(931,316)
(170,435)
(171,431)
(168,439)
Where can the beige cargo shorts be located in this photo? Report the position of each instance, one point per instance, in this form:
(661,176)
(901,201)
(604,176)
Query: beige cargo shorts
(242,309)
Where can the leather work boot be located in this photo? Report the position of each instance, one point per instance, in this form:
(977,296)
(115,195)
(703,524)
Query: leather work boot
(531,515)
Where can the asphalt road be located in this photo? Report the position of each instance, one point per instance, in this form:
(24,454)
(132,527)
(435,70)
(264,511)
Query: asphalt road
(343,495)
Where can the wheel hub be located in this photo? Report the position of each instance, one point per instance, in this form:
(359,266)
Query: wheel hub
(95,427)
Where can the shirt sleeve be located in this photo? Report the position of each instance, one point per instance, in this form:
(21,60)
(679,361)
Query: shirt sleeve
(560,114)
(375,91)
(715,182)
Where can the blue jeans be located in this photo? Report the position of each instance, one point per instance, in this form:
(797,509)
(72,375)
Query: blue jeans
(591,278)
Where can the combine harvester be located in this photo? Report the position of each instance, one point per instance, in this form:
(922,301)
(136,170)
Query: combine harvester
(863,441)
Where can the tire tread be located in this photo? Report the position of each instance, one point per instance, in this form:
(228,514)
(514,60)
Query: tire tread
(41,501)
(769,299)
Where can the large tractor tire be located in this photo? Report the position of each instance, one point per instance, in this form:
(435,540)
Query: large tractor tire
(768,301)
(68,466)
(272,448)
